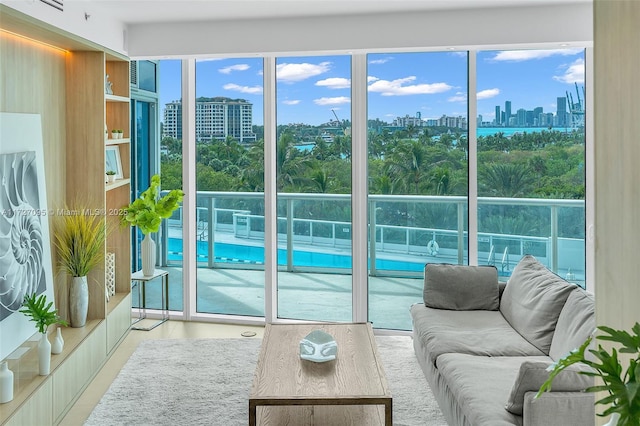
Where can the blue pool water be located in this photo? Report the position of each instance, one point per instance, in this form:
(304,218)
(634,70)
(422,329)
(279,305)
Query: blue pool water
(239,254)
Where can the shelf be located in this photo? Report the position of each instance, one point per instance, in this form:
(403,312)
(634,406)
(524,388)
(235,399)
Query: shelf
(118,183)
(25,369)
(115,300)
(116,141)
(116,98)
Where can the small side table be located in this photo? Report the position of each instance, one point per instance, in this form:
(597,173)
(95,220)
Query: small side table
(142,281)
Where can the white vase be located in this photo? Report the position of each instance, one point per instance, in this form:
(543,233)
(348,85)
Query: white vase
(148,248)
(78,301)
(44,354)
(613,421)
(6,383)
(58,342)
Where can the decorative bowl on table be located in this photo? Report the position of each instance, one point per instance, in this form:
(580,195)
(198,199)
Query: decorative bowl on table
(318,346)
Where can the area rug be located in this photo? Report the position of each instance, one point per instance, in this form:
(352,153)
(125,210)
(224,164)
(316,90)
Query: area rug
(207,382)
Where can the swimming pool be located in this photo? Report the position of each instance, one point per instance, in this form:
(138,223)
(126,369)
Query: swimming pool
(244,254)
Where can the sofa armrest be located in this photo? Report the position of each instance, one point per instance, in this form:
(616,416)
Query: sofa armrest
(559,409)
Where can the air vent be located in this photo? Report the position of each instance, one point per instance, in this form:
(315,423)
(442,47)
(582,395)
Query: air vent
(134,73)
(54,3)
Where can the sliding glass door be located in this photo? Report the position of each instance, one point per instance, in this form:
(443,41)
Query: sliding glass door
(418,174)
(313,156)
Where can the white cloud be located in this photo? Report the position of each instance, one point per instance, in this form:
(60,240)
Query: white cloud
(335,83)
(526,55)
(238,67)
(298,72)
(380,61)
(371,78)
(399,88)
(488,93)
(255,90)
(458,97)
(332,101)
(573,74)
(291,102)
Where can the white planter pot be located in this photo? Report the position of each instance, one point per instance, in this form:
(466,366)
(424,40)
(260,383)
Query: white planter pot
(78,301)
(44,355)
(6,383)
(613,421)
(58,342)
(148,248)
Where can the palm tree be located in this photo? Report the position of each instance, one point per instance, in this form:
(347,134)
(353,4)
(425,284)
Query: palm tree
(505,180)
(409,161)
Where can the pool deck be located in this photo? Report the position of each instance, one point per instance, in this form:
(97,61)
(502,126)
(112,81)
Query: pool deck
(301,295)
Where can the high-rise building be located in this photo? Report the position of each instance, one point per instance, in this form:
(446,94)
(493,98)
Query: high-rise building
(498,117)
(507,113)
(521,117)
(172,123)
(216,118)
(561,112)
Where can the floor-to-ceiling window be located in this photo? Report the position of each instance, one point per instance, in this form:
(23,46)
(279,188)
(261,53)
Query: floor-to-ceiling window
(313,156)
(169,239)
(230,185)
(531,159)
(418,173)
(523,169)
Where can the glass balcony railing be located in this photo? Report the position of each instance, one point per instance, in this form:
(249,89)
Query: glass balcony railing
(405,233)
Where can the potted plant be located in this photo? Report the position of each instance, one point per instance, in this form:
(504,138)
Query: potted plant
(114,134)
(43,314)
(111,176)
(80,237)
(119,131)
(147,213)
(622,386)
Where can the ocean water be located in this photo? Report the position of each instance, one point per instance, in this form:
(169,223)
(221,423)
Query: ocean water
(508,131)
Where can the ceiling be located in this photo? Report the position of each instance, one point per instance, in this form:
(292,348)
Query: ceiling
(158,11)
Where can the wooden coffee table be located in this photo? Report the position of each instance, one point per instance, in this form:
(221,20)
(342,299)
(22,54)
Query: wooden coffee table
(350,390)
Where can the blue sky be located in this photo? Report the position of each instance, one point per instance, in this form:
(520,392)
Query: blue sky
(435,83)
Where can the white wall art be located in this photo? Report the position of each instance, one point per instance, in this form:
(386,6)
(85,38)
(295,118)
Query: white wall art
(25,258)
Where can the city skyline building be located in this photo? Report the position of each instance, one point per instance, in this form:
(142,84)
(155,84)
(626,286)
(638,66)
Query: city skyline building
(216,119)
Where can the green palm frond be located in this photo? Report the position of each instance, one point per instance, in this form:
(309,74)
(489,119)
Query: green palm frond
(41,312)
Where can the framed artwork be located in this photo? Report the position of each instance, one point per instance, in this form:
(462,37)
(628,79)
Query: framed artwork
(112,160)
(25,257)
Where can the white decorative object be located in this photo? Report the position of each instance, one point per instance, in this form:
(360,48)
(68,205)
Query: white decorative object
(44,354)
(58,342)
(6,383)
(110,275)
(613,421)
(78,301)
(148,248)
(26,266)
(318,346)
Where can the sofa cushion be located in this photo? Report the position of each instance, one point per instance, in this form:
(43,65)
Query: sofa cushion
(484,333)
(460,287)
(532,301)
(576,322)
(533,374)
(481,385)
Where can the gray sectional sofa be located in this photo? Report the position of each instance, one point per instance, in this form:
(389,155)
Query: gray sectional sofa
(484,347)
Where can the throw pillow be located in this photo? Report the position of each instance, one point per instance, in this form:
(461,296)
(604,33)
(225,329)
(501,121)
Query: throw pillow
(461,287)
(532,301)
(576,323)
(533,374)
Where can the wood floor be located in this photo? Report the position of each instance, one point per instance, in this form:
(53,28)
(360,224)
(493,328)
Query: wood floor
(169,330)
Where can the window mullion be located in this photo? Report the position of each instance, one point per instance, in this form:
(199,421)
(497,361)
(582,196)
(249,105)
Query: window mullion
(472,162)
(360,190)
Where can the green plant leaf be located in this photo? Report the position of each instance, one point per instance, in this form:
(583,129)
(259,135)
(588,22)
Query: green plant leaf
(147,211)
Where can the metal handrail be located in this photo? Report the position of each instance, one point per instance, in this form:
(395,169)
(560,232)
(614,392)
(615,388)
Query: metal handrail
(207,200)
